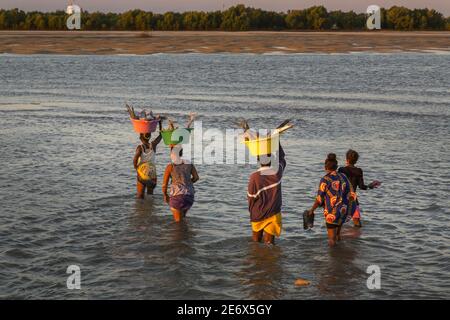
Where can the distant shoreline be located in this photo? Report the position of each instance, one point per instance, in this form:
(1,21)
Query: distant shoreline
(258,42)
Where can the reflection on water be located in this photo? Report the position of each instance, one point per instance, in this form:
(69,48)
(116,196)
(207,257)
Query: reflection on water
(351,232)
(181,232)
(334,274)
(144,207)
(143,215)
(144,221)
(262,271)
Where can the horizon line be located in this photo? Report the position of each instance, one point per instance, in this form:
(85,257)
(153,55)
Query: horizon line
(219,10)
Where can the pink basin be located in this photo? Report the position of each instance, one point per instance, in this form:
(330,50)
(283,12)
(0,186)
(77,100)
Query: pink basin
(144,126)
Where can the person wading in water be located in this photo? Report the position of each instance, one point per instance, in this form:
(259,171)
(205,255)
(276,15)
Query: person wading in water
(355,175)
(144,163)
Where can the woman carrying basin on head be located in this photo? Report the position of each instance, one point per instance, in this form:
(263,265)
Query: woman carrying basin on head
(265,198)
(264,187)
(144,163)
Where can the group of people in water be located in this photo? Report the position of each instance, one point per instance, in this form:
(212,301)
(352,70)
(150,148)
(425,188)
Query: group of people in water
(336,192)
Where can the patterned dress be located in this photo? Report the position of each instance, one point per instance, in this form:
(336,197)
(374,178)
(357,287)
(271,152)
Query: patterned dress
(146,169)
(334,194)
(182,189)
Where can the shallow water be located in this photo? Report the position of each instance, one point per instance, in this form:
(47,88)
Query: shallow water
(67,182)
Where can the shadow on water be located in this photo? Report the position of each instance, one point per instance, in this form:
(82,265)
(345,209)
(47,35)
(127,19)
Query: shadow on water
(337,273)
(137,231)
(142,214)
(158,229)
(160,253)
(180,232)
(350,233)
(262,271)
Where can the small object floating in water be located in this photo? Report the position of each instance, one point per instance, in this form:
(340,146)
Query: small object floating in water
(302,283)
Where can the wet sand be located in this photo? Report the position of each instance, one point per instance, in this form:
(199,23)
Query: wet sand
(106,43)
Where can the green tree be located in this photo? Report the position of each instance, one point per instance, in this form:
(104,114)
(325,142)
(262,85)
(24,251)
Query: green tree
(436,20)
(296,19)
(126,21)
(399,18)
(316,17)
(236,18)
(2,20)
(141,21)
(194,21)
(39,22)
(214,20)
(170,21)
(53,22)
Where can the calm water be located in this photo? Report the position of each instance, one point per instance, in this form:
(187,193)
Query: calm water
(67,182)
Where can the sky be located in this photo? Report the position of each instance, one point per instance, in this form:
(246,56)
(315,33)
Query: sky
(209,5)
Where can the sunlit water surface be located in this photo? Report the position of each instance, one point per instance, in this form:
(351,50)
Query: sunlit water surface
(67,182)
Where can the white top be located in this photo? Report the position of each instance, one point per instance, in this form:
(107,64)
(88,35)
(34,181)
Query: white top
(147,156)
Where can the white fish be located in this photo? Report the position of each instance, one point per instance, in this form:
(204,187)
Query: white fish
(248,134)
(171,124)
(190,119)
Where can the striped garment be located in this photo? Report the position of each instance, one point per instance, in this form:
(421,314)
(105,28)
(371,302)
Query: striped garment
(264,190)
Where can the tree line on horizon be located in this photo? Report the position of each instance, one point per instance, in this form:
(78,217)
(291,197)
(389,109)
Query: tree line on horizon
(236,18)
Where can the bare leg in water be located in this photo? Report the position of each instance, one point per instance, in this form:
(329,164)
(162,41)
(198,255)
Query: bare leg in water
(268,238)
(257,236)
(140,187)
(357,222)
(141,190)
(332,235)
(261,235)
(151,187)
(177,214)
(338,233)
